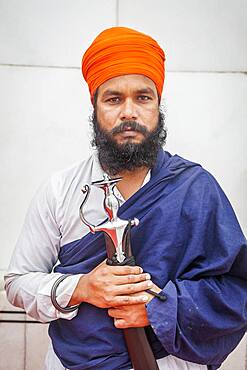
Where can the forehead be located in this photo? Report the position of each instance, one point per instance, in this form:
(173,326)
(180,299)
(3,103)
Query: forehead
(128,82)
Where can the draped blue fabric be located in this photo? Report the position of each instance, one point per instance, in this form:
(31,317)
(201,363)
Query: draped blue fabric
(190,242)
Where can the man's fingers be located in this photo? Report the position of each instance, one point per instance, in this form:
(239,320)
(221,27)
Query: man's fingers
(131,279)
(119,313)
(119,323)
(126,270)
(132,288)
(128,300)
(114,312)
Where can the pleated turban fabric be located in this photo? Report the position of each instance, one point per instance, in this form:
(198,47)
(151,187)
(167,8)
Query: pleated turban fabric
(119,51)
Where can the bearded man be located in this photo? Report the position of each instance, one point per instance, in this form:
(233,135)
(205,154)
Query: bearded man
(188,247)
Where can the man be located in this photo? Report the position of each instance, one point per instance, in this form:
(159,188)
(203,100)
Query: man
(188,246)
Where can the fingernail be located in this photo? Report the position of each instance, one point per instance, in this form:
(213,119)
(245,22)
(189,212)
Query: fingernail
(148,276)
(144,299)
(141,270)
(150,283)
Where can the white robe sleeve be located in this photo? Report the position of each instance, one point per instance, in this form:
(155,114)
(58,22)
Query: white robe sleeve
(29,278)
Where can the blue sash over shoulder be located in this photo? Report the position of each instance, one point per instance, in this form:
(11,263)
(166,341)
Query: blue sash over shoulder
(172,209)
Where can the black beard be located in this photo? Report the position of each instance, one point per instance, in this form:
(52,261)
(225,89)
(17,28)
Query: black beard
(115,158)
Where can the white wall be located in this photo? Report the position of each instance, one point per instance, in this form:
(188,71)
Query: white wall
(205,91)
(44,100)
(44,103)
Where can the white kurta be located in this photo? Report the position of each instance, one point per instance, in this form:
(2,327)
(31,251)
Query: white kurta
(53,221)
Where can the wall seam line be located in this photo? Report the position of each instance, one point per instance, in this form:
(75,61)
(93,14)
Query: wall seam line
(78,68)
(117,12)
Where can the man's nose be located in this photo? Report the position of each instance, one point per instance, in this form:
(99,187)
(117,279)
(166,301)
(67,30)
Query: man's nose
(128,111)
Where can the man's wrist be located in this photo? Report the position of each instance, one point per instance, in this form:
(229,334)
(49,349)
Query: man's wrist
(54,294)
(80,293)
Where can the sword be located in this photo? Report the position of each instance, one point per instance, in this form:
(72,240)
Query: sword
(118,247)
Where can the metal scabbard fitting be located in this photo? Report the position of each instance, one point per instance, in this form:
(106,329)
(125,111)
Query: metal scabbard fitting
(114,227)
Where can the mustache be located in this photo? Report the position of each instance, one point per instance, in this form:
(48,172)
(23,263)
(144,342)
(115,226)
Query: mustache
(129,125)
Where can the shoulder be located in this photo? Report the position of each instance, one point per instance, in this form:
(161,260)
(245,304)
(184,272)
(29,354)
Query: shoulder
(195,170)
(197,182)
(62,183)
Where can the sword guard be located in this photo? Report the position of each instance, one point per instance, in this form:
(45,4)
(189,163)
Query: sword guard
(128,261)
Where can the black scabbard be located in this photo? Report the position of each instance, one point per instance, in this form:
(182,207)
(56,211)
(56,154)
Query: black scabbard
(139,349)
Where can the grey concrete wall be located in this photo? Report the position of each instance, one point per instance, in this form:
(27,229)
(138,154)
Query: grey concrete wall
(45,103)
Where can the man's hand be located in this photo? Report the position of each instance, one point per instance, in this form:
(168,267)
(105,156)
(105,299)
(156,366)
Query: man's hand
(134,315)
(112,286)
(129,316)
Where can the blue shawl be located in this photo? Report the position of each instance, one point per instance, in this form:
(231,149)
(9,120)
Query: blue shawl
(190,242)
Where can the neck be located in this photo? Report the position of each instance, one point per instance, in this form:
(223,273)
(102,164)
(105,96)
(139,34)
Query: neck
(131,181)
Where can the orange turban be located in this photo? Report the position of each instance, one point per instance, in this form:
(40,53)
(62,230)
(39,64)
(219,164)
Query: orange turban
(119,51)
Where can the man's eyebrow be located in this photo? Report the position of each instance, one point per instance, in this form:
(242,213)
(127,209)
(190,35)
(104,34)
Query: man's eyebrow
(146,90)
(110,92)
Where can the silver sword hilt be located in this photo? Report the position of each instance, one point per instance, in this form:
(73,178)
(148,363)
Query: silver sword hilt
(114,227)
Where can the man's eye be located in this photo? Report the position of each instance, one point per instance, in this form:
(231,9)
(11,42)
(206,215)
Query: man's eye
(115,99)
(144,97)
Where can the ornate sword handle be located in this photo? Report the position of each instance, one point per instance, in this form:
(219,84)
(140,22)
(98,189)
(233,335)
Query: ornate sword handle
(114,226)
(86,189)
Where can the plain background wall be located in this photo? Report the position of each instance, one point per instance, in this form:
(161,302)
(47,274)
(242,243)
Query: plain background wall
(44,102)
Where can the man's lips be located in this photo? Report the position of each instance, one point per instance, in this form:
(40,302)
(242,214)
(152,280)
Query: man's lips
(132,127)
(129,133)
